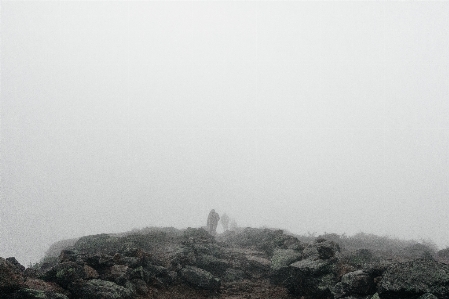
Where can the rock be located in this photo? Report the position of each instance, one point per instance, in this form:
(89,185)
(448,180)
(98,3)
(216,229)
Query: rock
(35,294)
(160,275)
(139,273)
(313,267)
(67,256)
(359,282)
(200,278)
(428,296)
(257,266)
(265,239)
(354,283)
(359,297)
(283,258)
(321,249)
(415,278)
(212,264)
(65,273)
(97,288)
(16,264)
(10,278)
(140,286)
(40,285)
(312,278)
(233,275)
(90,273)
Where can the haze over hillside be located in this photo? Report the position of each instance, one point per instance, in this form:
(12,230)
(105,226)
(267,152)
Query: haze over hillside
(305,116)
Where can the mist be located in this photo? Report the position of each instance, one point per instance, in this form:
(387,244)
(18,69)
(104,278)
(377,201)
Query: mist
(306,116)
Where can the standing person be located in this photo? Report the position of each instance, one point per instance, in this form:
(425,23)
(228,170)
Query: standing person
(212,222)
(225,222)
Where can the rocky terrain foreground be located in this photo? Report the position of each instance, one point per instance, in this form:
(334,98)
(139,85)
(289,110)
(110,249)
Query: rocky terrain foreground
(248,263)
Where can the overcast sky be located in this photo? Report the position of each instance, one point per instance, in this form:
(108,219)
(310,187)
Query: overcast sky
(306,116)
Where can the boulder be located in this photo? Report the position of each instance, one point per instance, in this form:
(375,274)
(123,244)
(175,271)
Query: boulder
(354,283)
(428,296)
(415,278)
(321,249)
(233,275)
(67,256)
(200,278)
(16,264)
(35,294)
(65,273)
(90,273)
(212,264)
(140,286)
(10,278)
(256,266)
(97,288)
(283,258)
(312,278)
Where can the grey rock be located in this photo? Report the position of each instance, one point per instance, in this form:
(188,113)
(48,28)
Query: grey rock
(312,278)
(35,294)
(233,275)
(16,264)
(358,282)
(212,264)
(321,249)
(284,257)
(428,296)
(415,278)
(200,278)
(97,288)
(10,278)
(65,273)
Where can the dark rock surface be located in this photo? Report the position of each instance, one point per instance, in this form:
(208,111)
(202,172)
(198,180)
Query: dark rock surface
(97,288)
(245,263)
(200,278)
(10,277)
(415,278)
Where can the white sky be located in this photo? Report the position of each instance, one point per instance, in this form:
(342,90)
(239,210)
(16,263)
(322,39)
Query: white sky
(306,116)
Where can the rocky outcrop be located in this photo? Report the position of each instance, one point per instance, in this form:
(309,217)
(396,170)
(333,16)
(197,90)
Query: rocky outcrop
(35,294)
(356,283)
(415,278)
(97,288)
(200,278)
(65,273)
(314,276)
(10,277)
(259,263)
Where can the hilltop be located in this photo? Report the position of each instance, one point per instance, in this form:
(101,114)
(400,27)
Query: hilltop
(244,263)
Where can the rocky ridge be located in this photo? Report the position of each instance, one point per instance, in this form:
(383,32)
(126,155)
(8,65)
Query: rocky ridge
(248,263)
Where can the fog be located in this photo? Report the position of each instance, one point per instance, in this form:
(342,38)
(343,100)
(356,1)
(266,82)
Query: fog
(307,116)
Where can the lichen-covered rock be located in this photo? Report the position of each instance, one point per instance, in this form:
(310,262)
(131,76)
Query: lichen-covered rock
(428,296)
(10,277)
(359,282)
(233,275)
(65,273)
(321,249)
(212,264)
(257,266)
(200,278)
(16,264)
(415,278)
(90,273)
(97,288)
(35,294)
(312,278)
(284,257)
